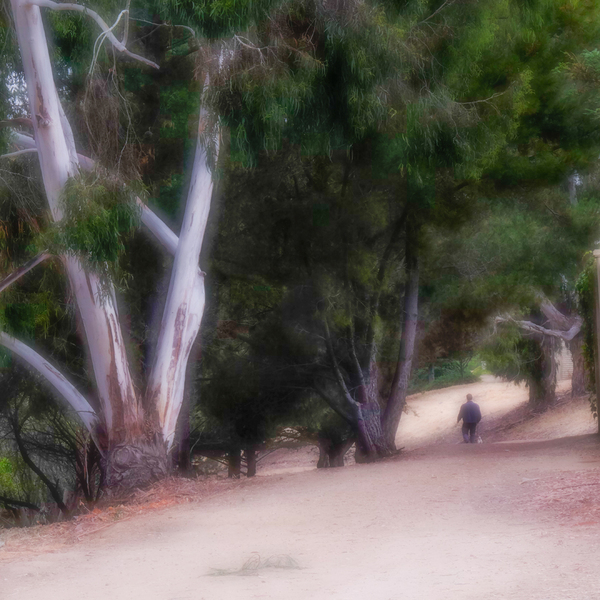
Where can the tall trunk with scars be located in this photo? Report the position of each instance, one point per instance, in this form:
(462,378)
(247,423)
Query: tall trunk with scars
(397,397)
(185,300)
(122,415)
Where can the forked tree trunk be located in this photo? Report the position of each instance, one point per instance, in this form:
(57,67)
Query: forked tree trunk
(134,442)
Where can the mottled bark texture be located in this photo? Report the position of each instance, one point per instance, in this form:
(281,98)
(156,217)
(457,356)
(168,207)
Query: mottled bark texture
(129,466)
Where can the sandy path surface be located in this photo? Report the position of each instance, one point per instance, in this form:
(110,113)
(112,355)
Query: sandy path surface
(485,521)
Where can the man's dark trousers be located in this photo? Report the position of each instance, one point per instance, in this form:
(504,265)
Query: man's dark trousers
(468,431)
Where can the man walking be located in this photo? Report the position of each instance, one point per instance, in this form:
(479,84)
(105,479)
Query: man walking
(470,415)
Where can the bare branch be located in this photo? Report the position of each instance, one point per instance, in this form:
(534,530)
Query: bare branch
(446,3)
(53,376)
(126,27)
(159,229)
(18,153)
(334,405)
(22,270)
(17,121)
(99,21)
(164,25)
(483,99)
(567,336)
(23,141)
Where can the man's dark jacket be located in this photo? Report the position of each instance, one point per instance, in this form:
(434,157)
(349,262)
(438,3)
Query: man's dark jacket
(469,412)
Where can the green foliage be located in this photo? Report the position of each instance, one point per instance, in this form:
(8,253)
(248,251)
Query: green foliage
(99,215)
(508,355)
(214,18)
(447,374)
(8,484)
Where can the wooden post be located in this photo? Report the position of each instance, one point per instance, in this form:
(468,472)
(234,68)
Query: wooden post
(597,334)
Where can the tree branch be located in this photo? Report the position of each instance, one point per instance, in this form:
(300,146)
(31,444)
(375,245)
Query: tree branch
(556,318)
(159,228)
(26,122)
(58,381)
(531,327)
(52,488)
(22,270)
(99,21)
(336,369)
(385,259)
(10,503)
(18,153)
(446,3)
(334,405)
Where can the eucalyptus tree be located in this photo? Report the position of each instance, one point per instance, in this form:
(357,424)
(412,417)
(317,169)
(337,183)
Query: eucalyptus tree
(133,429)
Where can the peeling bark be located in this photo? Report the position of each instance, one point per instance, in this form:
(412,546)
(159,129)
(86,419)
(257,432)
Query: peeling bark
(185,302)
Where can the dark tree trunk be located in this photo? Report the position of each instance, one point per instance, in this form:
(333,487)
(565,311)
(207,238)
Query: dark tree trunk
(397,398)
(235,463)
(250,457)
(371,429)
(181,455)
(324,445)
(579,382)
(542,389)
(331,454)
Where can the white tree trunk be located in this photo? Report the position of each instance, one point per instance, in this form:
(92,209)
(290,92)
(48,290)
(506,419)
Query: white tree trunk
(185,301)
(57,160)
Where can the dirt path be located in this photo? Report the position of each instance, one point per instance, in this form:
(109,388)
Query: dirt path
(492,521)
